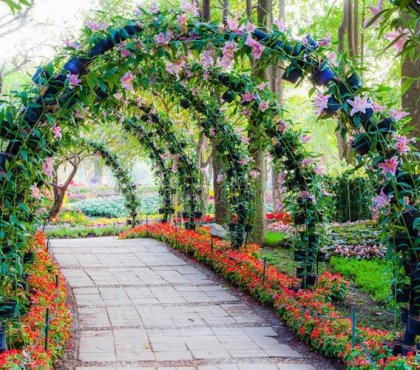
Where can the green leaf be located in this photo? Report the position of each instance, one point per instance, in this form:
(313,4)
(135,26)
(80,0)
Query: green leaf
(407,82)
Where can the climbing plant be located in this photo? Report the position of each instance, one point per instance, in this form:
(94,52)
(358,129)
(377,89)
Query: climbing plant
(125,181)
(189,58)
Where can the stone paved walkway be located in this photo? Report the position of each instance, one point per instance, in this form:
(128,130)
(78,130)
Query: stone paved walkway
(142,307)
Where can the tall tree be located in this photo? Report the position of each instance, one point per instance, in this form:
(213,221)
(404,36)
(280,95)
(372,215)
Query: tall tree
(254,133)
(60,189)
(277,86)
(205,12)
(349,27)
(410,69)
(225,9)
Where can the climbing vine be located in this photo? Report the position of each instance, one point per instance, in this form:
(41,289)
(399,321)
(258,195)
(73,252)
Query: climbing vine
(176,50)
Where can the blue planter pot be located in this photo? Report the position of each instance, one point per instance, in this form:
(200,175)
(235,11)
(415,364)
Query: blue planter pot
(3,158)
(76,65)
(323,75)
(3,343)
(292,74)
(352,84)
(8,309)
(409,218)
(361,144)
(333,105)
(360,118)
(387,126)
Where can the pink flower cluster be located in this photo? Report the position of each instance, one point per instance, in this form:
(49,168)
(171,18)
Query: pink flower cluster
(280,227)
(359,251)
(228,51)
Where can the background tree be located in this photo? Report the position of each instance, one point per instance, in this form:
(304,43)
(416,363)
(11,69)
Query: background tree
(348,41)
(254,134)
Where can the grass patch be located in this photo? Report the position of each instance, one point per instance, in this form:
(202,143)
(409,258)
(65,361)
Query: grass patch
(272,239)
(281,258)
(84,232)
(373,277)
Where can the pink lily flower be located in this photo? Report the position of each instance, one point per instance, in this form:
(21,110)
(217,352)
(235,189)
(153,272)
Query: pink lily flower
(326,41)
(281,26)
(189,7)
(398,114)
(359,105)
(162,39)
(374,11)
(282,127)
(263,106)
(71,44)
(57,132)
(126,81)
(401,145)
(228,54)
(233,25)
(257,48)
(389,166)
(206,59)
(74,79)
(400,34)
(381,201)
(321,102)
(93,26)
(248,97)
(35,192)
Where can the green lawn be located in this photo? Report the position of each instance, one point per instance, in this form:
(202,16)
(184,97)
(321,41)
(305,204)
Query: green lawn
(273,239)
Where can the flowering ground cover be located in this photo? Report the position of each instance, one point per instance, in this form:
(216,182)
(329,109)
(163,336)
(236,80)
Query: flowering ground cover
(310,314)
(47,290)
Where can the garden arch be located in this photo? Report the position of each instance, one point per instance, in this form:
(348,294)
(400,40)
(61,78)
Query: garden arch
(125,181)
(304,58)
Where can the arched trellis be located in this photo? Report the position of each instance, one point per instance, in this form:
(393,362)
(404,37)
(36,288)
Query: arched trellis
(125,181)
(187,168)
(146,140)
(304,59)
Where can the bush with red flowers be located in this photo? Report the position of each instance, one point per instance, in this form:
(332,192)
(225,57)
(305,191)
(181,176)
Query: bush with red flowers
(283,217)
(45,293)
(310,314)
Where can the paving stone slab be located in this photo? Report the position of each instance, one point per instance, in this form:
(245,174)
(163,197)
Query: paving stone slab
(140,306)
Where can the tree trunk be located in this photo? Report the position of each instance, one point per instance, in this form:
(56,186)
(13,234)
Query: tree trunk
(98,176)
(345,150)
(201,163)
(225,9)
(61,193)
(220,200)
(249,9)
(206,10)
(258,219)
(277,85)
(410,69)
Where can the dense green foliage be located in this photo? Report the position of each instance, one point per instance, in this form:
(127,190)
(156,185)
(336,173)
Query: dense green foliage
(373,277)
(273,239)
(114,206)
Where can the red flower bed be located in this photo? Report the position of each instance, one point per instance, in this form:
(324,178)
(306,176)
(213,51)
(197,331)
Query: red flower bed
(309,313)
(44,294)
(279,217)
